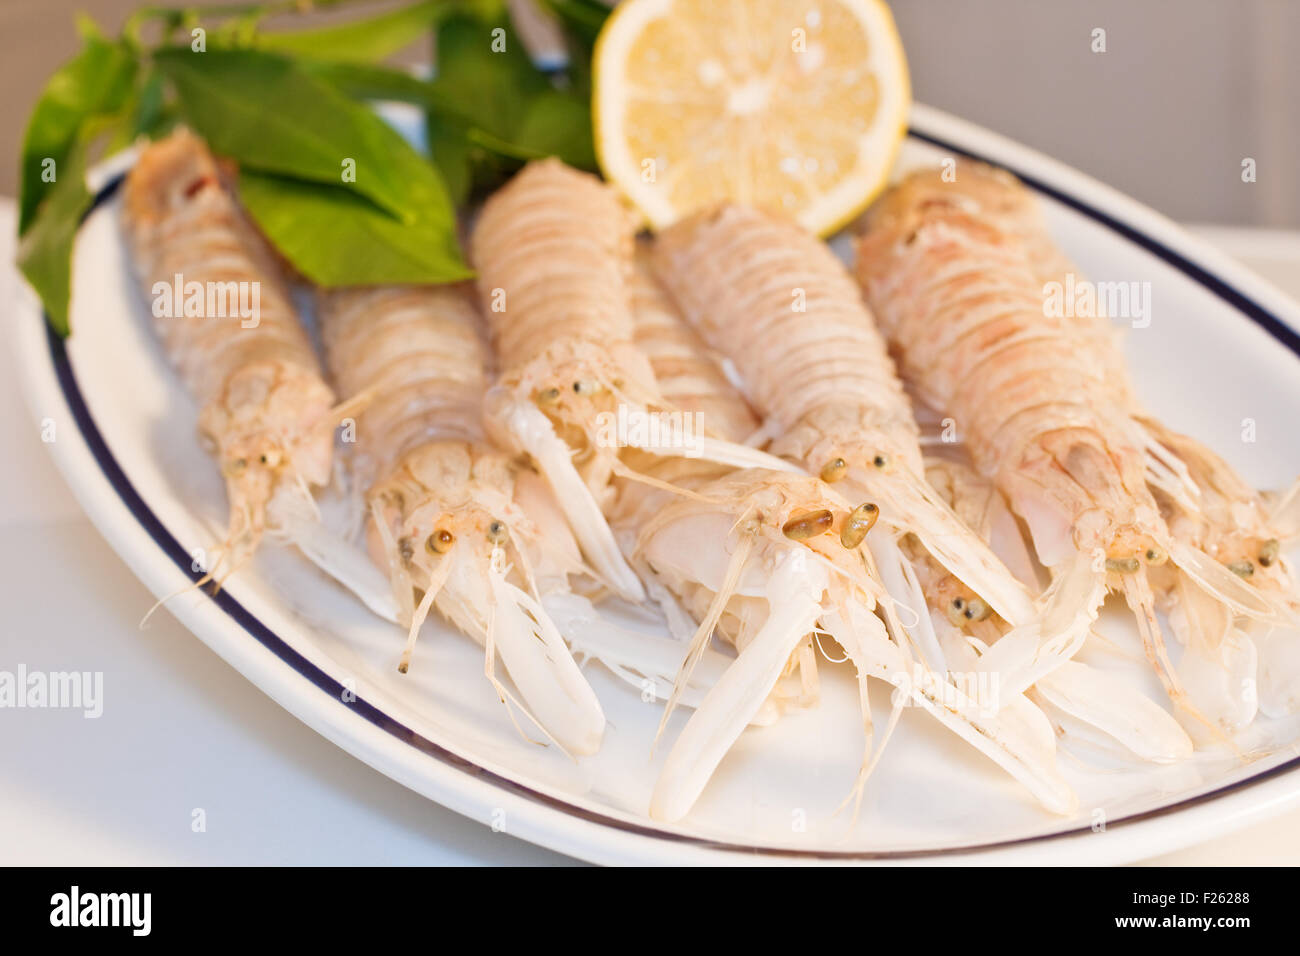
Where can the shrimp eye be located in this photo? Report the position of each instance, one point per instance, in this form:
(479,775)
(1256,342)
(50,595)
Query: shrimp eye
(439,542)
(808,525)
(957,612)
(548,396)
(1155,556)
(586,388)
(1243,569)
(861,520)
(834,470)
(976,610)
(496,530)
(271,459)
(1268,552)
(880,461)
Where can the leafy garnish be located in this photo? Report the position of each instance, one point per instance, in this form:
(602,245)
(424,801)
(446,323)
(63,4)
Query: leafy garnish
(503,108)
(262,111)
(362,41)
(367,246)
(45,250)
(94,83)
(340,194)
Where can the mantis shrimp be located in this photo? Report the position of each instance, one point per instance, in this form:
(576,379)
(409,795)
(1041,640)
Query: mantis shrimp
(1075,688)
(553,250)
(954,271)
(450,515)
(787,314)
(267,413)
(768,559)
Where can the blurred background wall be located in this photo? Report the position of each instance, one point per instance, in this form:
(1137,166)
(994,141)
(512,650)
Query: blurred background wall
(1185,90)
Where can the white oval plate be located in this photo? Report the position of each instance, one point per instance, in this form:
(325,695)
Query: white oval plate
(1221,349)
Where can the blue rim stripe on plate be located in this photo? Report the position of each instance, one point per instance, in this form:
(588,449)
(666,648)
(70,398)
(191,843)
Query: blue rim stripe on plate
(277,645)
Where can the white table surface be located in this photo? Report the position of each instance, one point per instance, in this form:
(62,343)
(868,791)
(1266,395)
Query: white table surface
(181,730)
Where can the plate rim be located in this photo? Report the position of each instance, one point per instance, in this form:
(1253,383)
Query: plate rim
(315,697)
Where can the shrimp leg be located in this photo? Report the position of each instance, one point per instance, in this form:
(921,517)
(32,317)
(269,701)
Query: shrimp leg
(955,272)
(266,411)
(553,250)
(446,512)
(783,309)
(765,558)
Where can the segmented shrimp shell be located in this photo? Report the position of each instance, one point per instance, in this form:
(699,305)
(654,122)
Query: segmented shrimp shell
(956,272)
(766,558)
(444,504)
(264,403)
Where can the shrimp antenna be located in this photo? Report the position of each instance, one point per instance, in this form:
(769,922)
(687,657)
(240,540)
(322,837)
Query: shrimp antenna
(1138,596)
(436,580)
(223,551)
(397,575)
(700,641)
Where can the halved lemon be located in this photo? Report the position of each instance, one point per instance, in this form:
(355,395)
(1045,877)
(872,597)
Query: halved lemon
(795,105)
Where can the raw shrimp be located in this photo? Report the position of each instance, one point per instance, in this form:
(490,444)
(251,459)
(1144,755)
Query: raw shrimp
(452,516)
(1221,514)
(954,271)
(768,559)
(789,317)
(1077,689)
(1231,523)
(553,250)
(266,412)
(696,386)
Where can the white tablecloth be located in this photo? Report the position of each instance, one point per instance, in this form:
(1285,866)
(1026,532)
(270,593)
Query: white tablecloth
(181,731)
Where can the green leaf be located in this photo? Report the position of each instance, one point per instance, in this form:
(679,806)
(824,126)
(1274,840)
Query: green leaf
(369,40)
(95,82)
(369,82)
(152,114)
(493,110)
(492,87)
(45,250)
(334,237)
(582,19)
(268,114)
(557,124)
(454,156)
